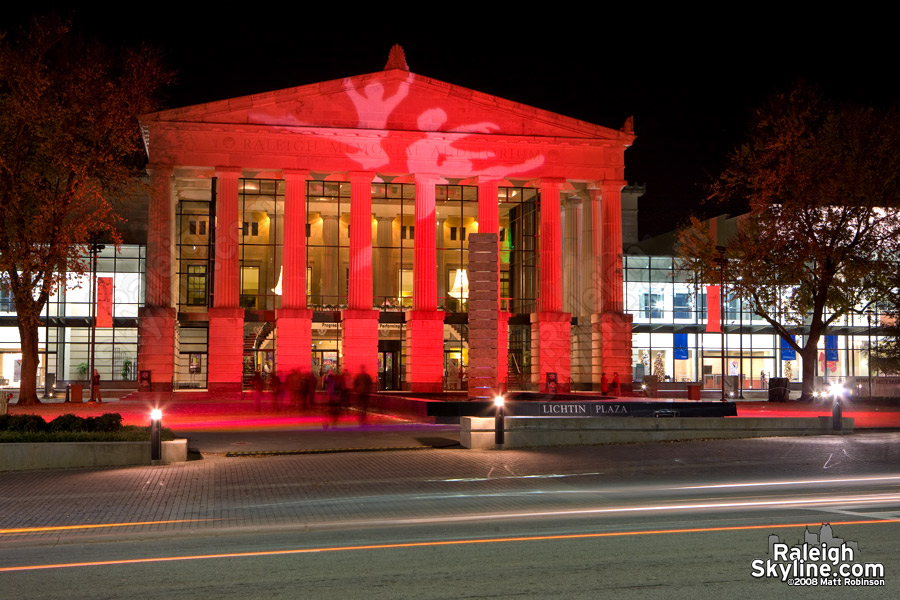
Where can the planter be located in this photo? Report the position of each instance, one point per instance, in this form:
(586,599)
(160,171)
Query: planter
(68,455)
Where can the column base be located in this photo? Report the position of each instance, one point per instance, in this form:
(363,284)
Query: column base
(425,350)
(611,341)
(294,340)
(551,350)
(226,349)
(359,342)
(156,352)
(224,388)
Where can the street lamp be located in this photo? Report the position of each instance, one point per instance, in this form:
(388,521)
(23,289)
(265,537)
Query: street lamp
(498,420)
(95,248)
(155,435)
(722,261)
(837,391)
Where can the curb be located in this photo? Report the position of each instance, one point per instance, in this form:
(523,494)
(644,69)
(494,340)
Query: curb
(262,453)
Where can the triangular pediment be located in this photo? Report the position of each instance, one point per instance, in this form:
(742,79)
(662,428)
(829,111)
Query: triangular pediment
(389,100)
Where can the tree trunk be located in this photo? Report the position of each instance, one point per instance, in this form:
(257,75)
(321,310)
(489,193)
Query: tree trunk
(28,383)
(809,354)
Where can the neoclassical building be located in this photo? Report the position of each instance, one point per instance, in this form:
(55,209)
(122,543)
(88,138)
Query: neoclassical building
(328,226)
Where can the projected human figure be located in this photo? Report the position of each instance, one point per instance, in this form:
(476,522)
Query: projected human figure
(372,108)
(372,112)
(431,159)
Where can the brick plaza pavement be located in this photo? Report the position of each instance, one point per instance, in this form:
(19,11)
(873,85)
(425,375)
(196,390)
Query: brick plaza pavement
(320,491)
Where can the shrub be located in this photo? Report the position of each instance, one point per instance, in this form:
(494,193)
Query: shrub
(23,423)
(68,422)
(108,423)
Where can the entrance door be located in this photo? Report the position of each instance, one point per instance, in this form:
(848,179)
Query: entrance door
(385,370)
(388,364)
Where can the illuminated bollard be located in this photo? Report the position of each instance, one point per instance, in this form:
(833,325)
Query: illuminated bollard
(498,420)
(837,413)
(155,435)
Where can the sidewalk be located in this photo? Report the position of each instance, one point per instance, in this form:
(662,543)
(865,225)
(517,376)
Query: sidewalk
(236,425)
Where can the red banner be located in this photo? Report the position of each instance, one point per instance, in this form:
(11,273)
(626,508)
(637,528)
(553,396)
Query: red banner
(713,309)
(104,301)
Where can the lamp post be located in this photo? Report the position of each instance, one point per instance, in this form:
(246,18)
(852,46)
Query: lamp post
(95,248)
(741,351)
(498,420)
(155,435)
(869,333)
(721,261)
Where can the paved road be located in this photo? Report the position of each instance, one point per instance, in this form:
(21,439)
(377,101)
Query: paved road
(663,520)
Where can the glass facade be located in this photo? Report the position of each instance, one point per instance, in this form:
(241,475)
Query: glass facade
(260,211)
(668,307)
(64,337)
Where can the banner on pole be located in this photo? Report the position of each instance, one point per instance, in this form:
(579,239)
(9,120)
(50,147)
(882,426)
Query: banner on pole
(713,309)
(787,351)
(104,301)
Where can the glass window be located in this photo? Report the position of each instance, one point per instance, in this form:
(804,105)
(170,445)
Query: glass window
(192,216)
(683,306)
(652,305)
(328,249)
(456,211)
(519,216)
(196,285)
(261,205)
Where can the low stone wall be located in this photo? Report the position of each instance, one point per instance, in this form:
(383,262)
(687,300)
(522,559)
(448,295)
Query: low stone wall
(524,432)
(67,455)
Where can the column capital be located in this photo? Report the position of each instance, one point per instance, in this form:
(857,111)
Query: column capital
(361,176)
(551,181)
(384,219)
(160,170)
(425,177)
(295,174)
(574,200)
(229,172)
(608,185)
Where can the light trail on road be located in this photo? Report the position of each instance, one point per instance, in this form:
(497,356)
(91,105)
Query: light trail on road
(798,482)
(47,528)
(818,501)
(535,538)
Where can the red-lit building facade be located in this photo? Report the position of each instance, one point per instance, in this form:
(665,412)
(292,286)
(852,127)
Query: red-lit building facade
(326,226)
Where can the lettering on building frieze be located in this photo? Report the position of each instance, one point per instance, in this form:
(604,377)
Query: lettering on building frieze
(397,149)
(274,145)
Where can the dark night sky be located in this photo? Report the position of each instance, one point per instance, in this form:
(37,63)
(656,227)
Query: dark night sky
(690,79)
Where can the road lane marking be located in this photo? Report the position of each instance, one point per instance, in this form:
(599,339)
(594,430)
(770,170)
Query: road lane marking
(533,538)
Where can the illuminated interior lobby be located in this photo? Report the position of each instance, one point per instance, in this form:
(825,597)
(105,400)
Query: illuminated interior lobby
(327,226)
